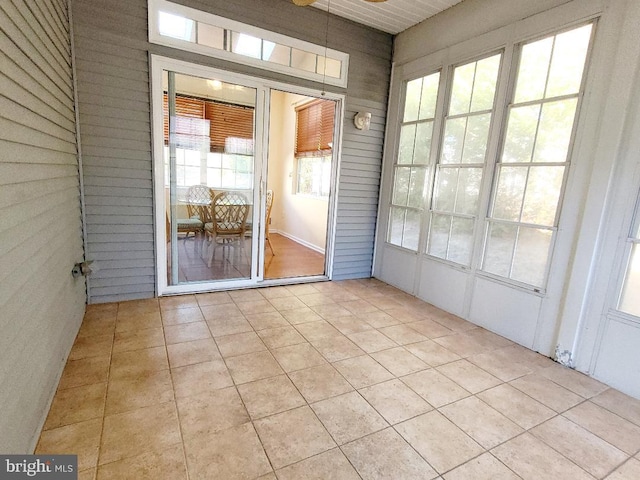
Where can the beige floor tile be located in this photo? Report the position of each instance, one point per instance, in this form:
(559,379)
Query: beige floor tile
(138,339)
(269,396)
(619,403)
(92,346)
(547,392)
(143,430)
(138,321)
(233,454)
(573,380)
(225,311)
(395,401)
(468,376)
(628,471)
(182,315)
(281,337)
(286,303)
(329,465)
(178,301)
(488,339)
(189,353)
(253,366)
(148,389)
(384,302)
(138,306)
(399,361)
(297,357)
(337,348)
(82,439)
(300,315)
(101,310)
(315,299)
(85,371)
(214,298)
(348,417)
(229,326)
(302,289)
(186,332)
(372,341)
(404,315)
(485,425)
(435,388)
(501,365)
(517,406)
(450,321)
(430,329)
(240,344)
(461,344)
(439,441)
(378,319)
(291,436)
(169,463)
(348,324)
(610,427)
(131,365)
(255,307)
(330,311)
(532,459)
(402,334)
(89,474)
(484,467)
(432,353)
(385,455)
(362,371)
(317,330)
(262,321)
(275,292)
(211,412)
(359,306)
(318,383)
(201,377)
(77,404)
(249,295)
(574,442)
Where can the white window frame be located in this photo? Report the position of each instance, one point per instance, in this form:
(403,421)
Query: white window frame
(157,6)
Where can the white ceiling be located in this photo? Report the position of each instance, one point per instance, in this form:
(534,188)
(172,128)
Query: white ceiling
(392,16)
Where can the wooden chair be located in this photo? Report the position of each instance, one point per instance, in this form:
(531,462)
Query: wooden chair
(198,197)
(228,222)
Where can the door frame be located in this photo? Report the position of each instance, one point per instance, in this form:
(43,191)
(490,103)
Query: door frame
(263,88)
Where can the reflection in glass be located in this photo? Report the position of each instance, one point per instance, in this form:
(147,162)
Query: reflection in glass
(477,136)
(533,69)
(424,132)
(468,193)
(401,186)
(530,256)
(446,185)
(453,142)
(461,242)
(501,240)
(629,299)
(569,58)
(509,193)
(439,235)
(521,134)
(407,141)
(544,185)
(554,131)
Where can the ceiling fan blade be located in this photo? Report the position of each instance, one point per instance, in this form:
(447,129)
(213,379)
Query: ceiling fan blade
(302,3)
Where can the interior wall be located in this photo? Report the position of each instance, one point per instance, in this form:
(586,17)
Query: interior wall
(302,218)
(113,68)
(42,305)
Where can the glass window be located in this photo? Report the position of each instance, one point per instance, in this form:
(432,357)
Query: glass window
(456,192)
(629,301)
(531,170)
(410,169)
(313,176)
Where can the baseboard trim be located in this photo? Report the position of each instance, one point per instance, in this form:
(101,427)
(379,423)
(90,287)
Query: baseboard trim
(304,243)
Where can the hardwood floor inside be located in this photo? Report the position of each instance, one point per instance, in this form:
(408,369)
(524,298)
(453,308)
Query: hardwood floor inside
(291,259)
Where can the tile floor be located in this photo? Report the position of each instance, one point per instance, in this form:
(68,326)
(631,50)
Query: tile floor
(336,380)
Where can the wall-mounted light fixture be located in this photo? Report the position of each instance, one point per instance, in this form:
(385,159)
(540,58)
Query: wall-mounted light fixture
(83,269)
(362,120)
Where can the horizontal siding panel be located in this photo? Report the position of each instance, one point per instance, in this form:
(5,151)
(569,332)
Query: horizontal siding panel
(117,229)
(98,238)
(14,131)
(36,121)
(116,182)
(111,282)
(118,210)
(106,142)
(108,201)
(122,220)
(99,190)
(18,173)
(92,124)
(20,153)
(95,151)
(52,36)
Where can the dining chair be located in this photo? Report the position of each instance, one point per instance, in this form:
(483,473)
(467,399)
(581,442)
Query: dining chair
(228,222)
(268,220)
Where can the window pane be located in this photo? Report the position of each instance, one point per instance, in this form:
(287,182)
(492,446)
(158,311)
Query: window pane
(462,89)
(416,187)
(396,225)
(501,240)
(543,192)
(445,189)
(429,96)
(484,87)
(509,193)
(468,191)
(422,151)
(328,67)
(453,142)
(407,141)
(567,65)
(475,142)
(246,45)
(303,60)
(521,134)
(211,36)
(279,54)
(175,26)
(439,235)
(461,242)
(532,74)
(530,258)
(411,232)
(630,300)
(412,100)
(401,186)
(214,177)
(554,132)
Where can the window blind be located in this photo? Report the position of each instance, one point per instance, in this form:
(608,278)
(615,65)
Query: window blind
(314,128)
